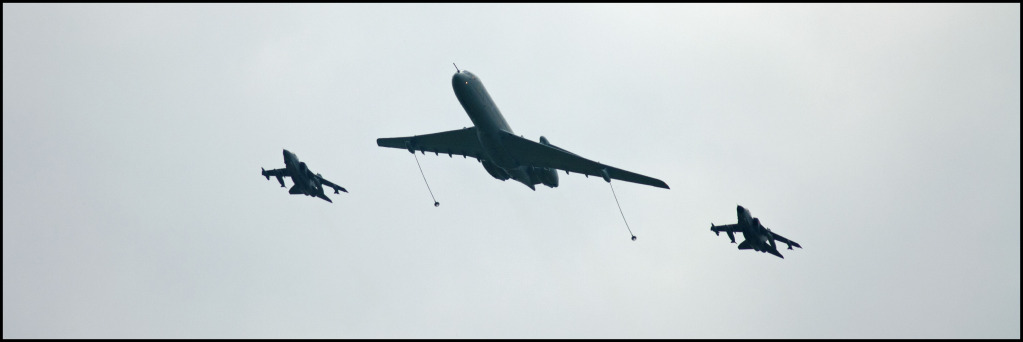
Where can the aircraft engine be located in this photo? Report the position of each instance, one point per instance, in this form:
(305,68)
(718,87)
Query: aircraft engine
(547,176)
(494,171)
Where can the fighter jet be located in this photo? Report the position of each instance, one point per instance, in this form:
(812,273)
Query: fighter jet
(306,182)
(503,153)
(758,237)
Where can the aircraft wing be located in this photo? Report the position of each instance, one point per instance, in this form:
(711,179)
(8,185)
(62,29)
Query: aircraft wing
(463,142)
(734,228)
(782,239)
(279,173)
(275,173)
(528,152)
(332,185)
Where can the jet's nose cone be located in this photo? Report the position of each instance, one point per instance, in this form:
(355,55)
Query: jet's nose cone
(461,76)
(461,79)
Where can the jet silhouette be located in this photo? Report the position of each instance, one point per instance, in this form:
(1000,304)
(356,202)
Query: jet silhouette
(306,182)
(758,237)
(503,154)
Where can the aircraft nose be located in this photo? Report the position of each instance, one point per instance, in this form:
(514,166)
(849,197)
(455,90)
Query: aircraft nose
(460,77)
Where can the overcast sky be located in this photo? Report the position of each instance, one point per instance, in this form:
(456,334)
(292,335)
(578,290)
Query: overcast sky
(885,139)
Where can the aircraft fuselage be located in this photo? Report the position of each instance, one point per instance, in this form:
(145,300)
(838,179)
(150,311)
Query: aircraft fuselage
(489,127)
(304,179)
(757,236)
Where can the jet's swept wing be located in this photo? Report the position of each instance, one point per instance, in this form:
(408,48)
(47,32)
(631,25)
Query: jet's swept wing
(782,239)
(279,173)
(463,142)
(536,154)
(731,228)
(332,185)
(275,173)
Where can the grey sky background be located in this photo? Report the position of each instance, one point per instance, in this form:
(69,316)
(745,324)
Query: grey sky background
(883,138)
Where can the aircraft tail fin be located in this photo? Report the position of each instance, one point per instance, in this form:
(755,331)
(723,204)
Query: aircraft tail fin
(775,252)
